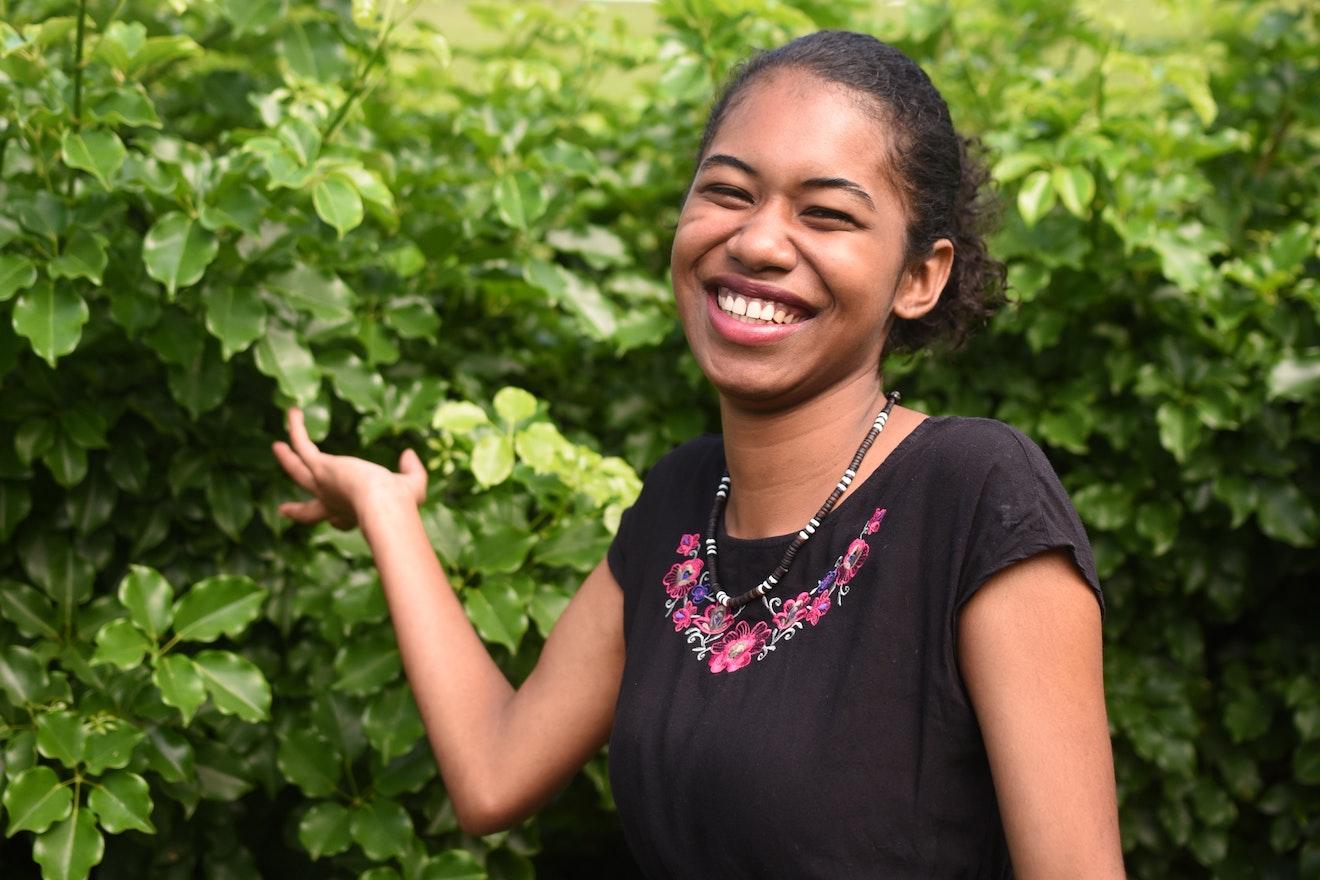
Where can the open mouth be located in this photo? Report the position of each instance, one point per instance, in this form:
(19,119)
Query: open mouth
(752,310)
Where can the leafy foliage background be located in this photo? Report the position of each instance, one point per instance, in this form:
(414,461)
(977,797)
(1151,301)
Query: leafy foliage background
(209,211)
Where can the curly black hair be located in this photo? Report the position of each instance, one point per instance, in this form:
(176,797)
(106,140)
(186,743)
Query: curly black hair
(940,175)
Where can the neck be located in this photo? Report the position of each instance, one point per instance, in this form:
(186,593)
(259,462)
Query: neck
(783,464)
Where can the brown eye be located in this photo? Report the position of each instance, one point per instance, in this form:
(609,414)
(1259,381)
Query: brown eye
(831,215)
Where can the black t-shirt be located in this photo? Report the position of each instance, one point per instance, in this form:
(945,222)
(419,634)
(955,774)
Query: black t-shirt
(825,731)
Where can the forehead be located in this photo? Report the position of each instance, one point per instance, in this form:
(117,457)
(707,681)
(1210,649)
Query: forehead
(795,124)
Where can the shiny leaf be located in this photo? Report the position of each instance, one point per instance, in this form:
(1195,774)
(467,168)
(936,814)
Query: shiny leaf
(122,801)
(51,318)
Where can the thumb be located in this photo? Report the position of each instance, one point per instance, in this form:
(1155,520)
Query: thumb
(414,472)
(411,463)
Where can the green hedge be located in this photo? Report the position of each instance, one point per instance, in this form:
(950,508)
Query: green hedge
(210,211)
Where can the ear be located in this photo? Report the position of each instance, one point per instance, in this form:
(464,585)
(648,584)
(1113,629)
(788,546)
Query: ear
(922,284)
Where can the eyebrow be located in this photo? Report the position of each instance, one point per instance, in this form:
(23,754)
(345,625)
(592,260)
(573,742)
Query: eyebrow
(842,183)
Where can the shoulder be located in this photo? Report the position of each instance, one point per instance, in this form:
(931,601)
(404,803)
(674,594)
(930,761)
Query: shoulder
(968,447)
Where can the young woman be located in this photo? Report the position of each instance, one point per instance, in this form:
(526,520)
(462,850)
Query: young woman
(810,657)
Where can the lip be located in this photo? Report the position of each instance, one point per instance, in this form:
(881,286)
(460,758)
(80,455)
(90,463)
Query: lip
(742,333)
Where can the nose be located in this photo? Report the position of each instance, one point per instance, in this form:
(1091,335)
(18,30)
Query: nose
(763,242)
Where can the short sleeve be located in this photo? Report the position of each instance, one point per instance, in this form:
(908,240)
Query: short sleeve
(1022,510)
(617,556)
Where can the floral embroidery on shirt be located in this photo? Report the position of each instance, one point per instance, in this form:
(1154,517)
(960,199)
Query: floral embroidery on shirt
(728,644)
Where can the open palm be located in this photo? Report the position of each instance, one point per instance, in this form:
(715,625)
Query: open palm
(340,484)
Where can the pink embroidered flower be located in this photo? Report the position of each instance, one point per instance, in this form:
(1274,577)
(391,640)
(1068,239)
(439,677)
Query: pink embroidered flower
(873,524)
(683,616)
(737,648)
(851,562)
(817,607)
(682,576)
(792,611)
(716,620)
(687,544)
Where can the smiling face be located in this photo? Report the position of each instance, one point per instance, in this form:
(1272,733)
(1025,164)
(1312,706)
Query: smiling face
(788,260)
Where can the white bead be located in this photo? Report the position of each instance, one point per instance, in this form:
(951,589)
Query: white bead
(803,534)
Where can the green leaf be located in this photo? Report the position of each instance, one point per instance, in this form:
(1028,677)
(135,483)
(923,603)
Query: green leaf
(382,828)
(35,799)
(309,761)
(66,461)
(83,257)
(51,318)
(1293,378)
(16,273)
(574,544)
(97,151)
(1036,197)
(453,864)
(60,735)
(502,549)
(1286,515)
(169,753)
(519,199)
(1180,429)
(392,723)
(148,597)
(127,105)
(1014,165)
(1076,188)
(237,317)
(230,499)
(57,567)
(70,849)
(201,383)
(366,663)
(513,405)
(221,774)
(177,251)
(110,744)
(121,644)
(459,416)
(84,425)
(546,606)
(492,459)
(497,611)
(33,438)
(122,801)
(324,830)
(28,610)
(338,203)
(180,684)
(15,505)
(321,294)
(216,606)
(235,684)
(281,356)
(235,205)
(22,674)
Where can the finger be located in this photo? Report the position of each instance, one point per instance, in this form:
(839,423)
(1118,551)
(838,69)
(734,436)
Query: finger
(293,465)
(302,444)
(414,473)
(305,512)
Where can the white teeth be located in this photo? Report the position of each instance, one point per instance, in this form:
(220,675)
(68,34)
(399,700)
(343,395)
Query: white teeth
(754,310)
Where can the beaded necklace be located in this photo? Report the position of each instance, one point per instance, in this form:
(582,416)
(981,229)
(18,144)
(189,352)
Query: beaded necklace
(722,496)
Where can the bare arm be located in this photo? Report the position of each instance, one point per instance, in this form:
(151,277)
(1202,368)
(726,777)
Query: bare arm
(1030,653)
(502,752)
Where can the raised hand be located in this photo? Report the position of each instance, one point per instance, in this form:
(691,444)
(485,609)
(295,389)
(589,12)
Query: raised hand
(340,484)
